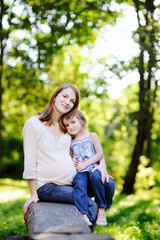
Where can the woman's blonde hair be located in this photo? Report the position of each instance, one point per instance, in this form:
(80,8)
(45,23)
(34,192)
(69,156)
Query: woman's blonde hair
(46,114)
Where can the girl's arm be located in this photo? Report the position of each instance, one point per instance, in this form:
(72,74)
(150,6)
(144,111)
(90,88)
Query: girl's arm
(96,158)
(33,197)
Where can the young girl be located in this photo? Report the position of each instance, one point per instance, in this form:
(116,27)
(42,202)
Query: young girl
(86,152)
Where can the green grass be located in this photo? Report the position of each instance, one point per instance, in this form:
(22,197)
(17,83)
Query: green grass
(13,194)
(134,217)
(131,217)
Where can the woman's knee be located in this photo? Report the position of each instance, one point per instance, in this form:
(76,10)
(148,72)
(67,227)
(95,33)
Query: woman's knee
(56,193)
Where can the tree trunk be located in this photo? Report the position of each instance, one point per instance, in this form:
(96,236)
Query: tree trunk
(128,187)
(147,95)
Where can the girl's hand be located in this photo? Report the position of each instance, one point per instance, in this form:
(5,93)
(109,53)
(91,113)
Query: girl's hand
(103,172)
(80,166)
(32,199)
(75,161)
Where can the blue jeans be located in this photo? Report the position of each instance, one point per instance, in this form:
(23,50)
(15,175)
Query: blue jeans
(80,195)
(51,192)
(103,192)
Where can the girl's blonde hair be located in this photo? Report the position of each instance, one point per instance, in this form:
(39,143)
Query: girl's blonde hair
(46,114)
(79,115)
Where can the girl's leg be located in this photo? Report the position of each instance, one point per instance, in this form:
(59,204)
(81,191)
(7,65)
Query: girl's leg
(92,212)
(99,194)
(103,193)
(97,185)
(80,192)
(109,191)
(98,189)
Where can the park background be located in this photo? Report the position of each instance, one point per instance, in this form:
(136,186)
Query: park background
(109,49)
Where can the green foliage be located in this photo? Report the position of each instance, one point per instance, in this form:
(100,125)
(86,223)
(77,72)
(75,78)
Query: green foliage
(130,217)
(39,33)
(49,26)
(146,176)
(13,163)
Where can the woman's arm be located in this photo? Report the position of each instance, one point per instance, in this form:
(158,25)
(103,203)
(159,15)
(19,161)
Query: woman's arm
(33,197)
(30,155)
(30,149)
(96,158)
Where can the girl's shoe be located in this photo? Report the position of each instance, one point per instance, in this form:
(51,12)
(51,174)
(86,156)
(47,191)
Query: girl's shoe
(101,220)
(87,220)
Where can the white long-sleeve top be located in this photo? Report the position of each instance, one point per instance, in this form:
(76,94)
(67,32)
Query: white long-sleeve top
(46,157)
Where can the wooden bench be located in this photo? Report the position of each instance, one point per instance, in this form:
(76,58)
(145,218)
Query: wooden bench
(57,221)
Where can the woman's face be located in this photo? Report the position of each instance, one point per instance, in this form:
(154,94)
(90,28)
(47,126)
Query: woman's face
(65,101)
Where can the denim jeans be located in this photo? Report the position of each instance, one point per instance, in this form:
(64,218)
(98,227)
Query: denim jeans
(51,192)
(80,195)
(103,192)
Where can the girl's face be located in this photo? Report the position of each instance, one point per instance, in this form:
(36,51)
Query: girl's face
(65,101)
(73,125)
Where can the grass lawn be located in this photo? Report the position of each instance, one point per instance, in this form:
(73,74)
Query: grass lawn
(131,217)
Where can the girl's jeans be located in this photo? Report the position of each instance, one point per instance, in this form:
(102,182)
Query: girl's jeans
(101,189)
(103,192)
(51,192)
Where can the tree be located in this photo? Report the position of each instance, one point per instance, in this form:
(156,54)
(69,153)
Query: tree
(147,36)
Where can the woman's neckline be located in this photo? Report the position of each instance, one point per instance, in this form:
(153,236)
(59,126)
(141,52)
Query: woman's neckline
(43,124)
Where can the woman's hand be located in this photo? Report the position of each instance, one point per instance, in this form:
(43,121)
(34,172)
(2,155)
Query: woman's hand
(103,172)
(32,199)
